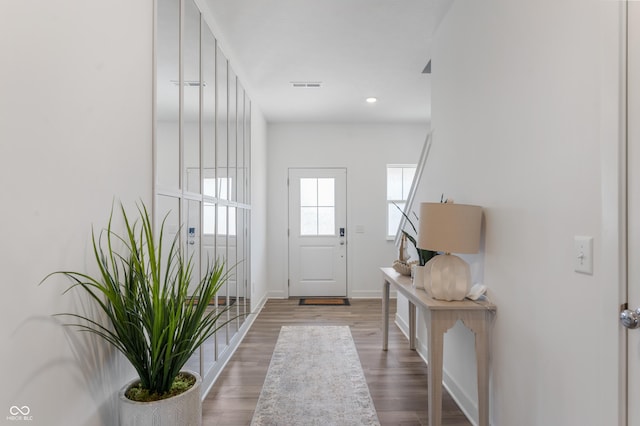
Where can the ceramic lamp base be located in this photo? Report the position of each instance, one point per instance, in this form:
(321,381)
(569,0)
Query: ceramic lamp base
(447,277)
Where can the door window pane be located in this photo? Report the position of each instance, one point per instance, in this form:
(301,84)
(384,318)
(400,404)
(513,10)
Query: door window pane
(308,221)
(326,188)
(326,221)
(308,192)
(317,206)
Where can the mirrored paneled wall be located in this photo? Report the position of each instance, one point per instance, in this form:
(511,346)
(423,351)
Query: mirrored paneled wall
(202,161)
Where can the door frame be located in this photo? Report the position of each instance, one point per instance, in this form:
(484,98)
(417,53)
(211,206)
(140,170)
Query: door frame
(346,209)
(630,184)
(614,163)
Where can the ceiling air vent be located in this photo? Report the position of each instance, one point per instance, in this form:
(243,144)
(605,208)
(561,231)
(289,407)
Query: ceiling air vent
(306,84)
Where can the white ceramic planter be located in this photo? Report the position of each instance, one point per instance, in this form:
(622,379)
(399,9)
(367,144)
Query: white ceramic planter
(182,410)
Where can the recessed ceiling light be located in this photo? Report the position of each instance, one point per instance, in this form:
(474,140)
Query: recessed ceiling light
(372,100)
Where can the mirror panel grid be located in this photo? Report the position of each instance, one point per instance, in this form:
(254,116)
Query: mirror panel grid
(208,122)
(167,51)
(202,164)
(221,123)
(240,146)
(232,135)
(191,96)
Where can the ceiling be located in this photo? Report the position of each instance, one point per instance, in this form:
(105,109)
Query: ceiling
(355,48)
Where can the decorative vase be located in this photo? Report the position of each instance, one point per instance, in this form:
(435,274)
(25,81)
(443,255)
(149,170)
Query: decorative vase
(181,410)
(418,276)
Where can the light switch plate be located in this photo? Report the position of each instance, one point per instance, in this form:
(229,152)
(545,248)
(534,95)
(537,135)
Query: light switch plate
(583,254)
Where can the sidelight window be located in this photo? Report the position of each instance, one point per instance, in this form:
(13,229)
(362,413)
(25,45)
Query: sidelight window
(399,179)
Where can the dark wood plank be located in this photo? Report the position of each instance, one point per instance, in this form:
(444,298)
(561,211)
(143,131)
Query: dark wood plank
(397,379)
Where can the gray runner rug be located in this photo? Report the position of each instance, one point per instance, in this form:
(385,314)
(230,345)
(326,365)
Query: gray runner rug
(315,378)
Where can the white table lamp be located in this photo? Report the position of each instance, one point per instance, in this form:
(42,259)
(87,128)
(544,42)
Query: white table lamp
(448,228)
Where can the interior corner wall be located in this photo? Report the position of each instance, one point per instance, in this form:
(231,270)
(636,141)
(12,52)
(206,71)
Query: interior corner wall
(364,150)
(76,134)
(258,208)
(519,110)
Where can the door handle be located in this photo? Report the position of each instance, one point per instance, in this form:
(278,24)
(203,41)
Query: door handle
(630,319)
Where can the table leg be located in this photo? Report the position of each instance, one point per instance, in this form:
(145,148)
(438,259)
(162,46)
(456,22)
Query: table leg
(385,315)
(434,368)
(482,357)
(412,326)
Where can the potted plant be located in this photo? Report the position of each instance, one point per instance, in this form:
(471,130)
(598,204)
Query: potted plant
(152,318)
(423,255)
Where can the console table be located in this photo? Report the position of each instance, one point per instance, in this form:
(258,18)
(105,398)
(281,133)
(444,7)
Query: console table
(439,316)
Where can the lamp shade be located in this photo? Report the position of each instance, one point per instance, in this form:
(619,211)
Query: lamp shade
(449,227)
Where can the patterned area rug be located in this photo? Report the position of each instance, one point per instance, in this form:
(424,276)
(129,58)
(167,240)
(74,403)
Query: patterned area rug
(315,378)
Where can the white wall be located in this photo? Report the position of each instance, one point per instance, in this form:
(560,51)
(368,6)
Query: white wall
(364,150)
(524,115)
(75,126)
(75,132)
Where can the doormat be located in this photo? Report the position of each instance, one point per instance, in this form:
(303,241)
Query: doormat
(222,301)
(316,301)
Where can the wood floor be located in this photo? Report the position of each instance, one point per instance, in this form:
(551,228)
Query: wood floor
(397,378)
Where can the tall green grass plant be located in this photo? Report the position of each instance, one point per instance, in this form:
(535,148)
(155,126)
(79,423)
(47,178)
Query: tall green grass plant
(153,320)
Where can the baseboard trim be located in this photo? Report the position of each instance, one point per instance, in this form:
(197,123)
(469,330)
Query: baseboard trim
(366,294)
(278,294)
(260,304)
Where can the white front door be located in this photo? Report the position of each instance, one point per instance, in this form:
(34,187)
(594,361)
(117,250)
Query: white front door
(633,209)
(317,232)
